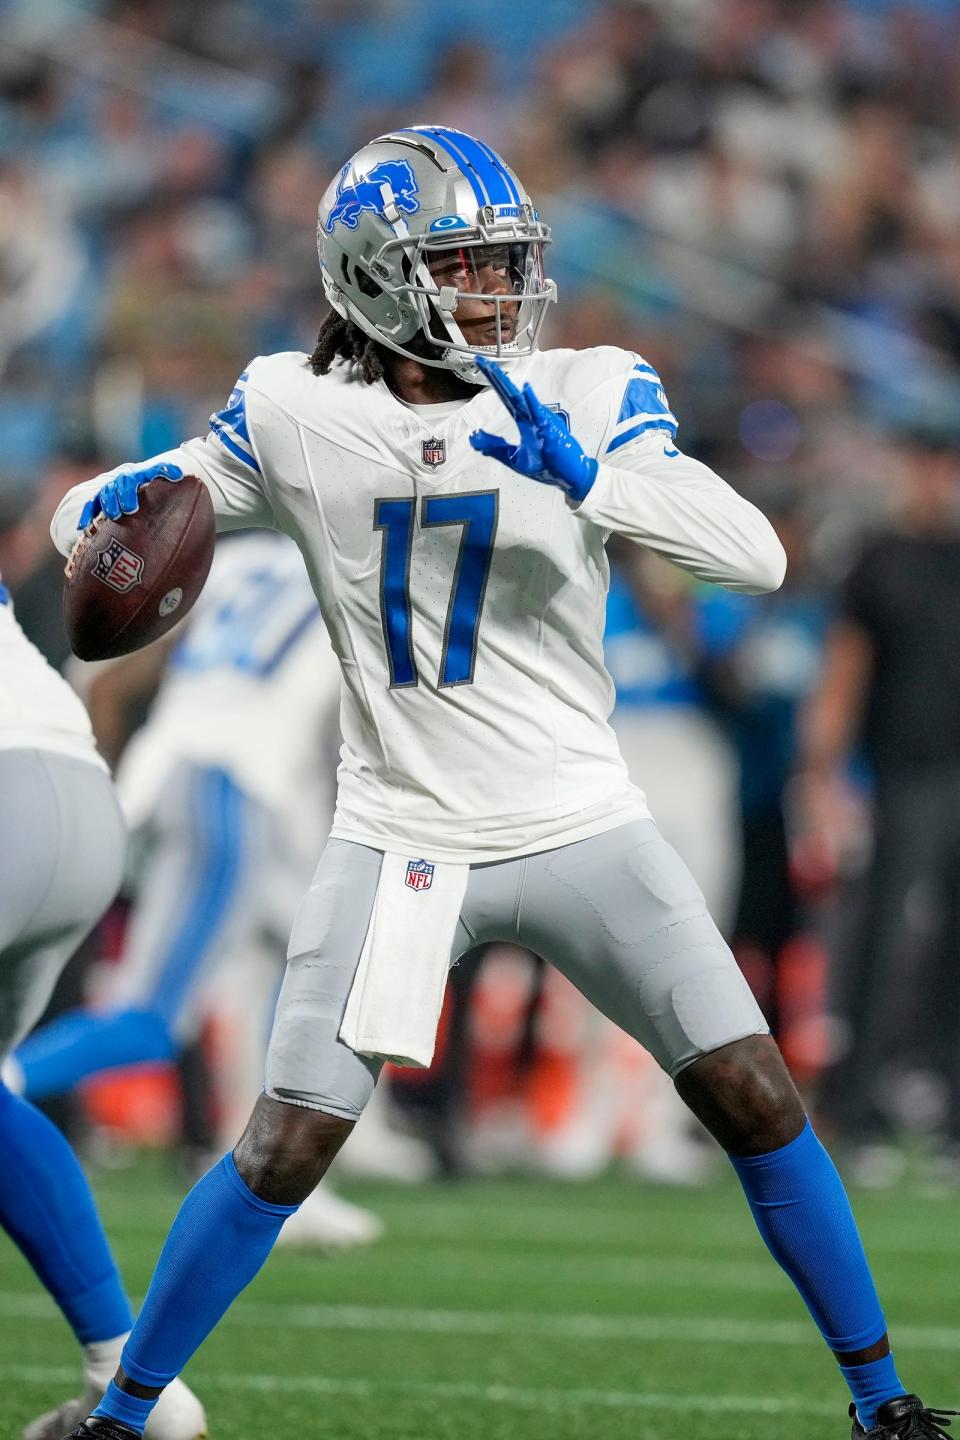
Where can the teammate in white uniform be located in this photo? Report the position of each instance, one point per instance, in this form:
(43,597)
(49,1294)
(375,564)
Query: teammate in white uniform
(462,578)
(227,790)
(62,844)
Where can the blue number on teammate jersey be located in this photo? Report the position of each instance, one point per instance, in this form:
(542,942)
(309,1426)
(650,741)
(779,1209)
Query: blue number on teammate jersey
(252,631)
(477,513)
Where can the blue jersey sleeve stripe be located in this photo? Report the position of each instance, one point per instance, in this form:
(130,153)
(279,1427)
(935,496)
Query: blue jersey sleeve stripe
(666,424)
(227,441)
(643,397)
(643,369)
(235,416)
(4,595)
(438,135)
(242,440)
(666,416)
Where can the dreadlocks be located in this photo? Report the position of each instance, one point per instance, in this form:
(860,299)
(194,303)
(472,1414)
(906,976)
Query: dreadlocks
(340,339)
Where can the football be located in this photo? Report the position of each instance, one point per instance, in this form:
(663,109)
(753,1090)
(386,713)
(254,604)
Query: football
(129,581)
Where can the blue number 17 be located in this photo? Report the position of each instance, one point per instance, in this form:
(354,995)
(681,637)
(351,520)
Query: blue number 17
(477,513)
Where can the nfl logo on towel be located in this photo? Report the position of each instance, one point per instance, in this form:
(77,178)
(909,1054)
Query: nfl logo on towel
(420,874)
(434,452)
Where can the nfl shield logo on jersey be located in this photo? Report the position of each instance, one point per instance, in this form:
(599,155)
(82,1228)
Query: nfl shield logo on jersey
(434,452)
(420,874)
(118,567)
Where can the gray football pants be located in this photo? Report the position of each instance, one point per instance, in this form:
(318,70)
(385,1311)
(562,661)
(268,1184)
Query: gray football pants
(619,914)
(62,847)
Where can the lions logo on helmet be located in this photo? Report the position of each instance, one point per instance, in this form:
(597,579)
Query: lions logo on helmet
(352,200)
(397,209)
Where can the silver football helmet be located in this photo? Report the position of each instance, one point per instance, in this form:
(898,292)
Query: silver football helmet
(415,224)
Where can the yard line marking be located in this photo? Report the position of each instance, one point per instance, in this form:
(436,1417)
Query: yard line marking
(625,1272)
(579,1226)
(726,1331)
(731,1237)
(520,1396)
(582,1230)
(265,1314)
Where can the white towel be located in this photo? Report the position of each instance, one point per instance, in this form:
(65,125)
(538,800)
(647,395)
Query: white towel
(397,994)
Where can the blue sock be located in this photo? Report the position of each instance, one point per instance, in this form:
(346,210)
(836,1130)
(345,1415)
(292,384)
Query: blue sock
(47,1208)
(870,1385)
(218,1242)
(116,1405)
(802,1212)
(82,1043)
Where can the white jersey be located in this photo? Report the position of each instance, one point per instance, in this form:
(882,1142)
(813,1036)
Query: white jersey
(465,602)
(252,687)
(38,709)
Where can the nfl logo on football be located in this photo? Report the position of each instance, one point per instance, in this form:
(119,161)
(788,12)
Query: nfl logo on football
(420,874)
(434,452)
(118,567)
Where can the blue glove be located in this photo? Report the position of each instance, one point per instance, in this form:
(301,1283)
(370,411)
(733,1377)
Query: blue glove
(547,451)
(119,495)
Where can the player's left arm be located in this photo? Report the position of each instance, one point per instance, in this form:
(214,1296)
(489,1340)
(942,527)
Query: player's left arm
(644,488)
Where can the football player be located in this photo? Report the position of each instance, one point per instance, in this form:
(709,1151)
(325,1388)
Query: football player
(226,792)
(63,842)
(462,577)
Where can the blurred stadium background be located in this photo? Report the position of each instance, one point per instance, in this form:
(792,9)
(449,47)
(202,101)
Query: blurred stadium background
(762,197)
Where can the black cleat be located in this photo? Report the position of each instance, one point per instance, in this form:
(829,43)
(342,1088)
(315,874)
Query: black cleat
(904,1418)
(96,1428)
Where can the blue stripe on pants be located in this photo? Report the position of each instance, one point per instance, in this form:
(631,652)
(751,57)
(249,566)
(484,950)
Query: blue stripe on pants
(218,819)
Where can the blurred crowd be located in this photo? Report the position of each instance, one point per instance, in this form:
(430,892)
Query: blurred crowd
(762,197)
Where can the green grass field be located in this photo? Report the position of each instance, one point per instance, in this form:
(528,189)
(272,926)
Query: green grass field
(521,1309)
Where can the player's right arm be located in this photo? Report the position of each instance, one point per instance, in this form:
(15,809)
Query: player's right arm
(643,487)
(226,460)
